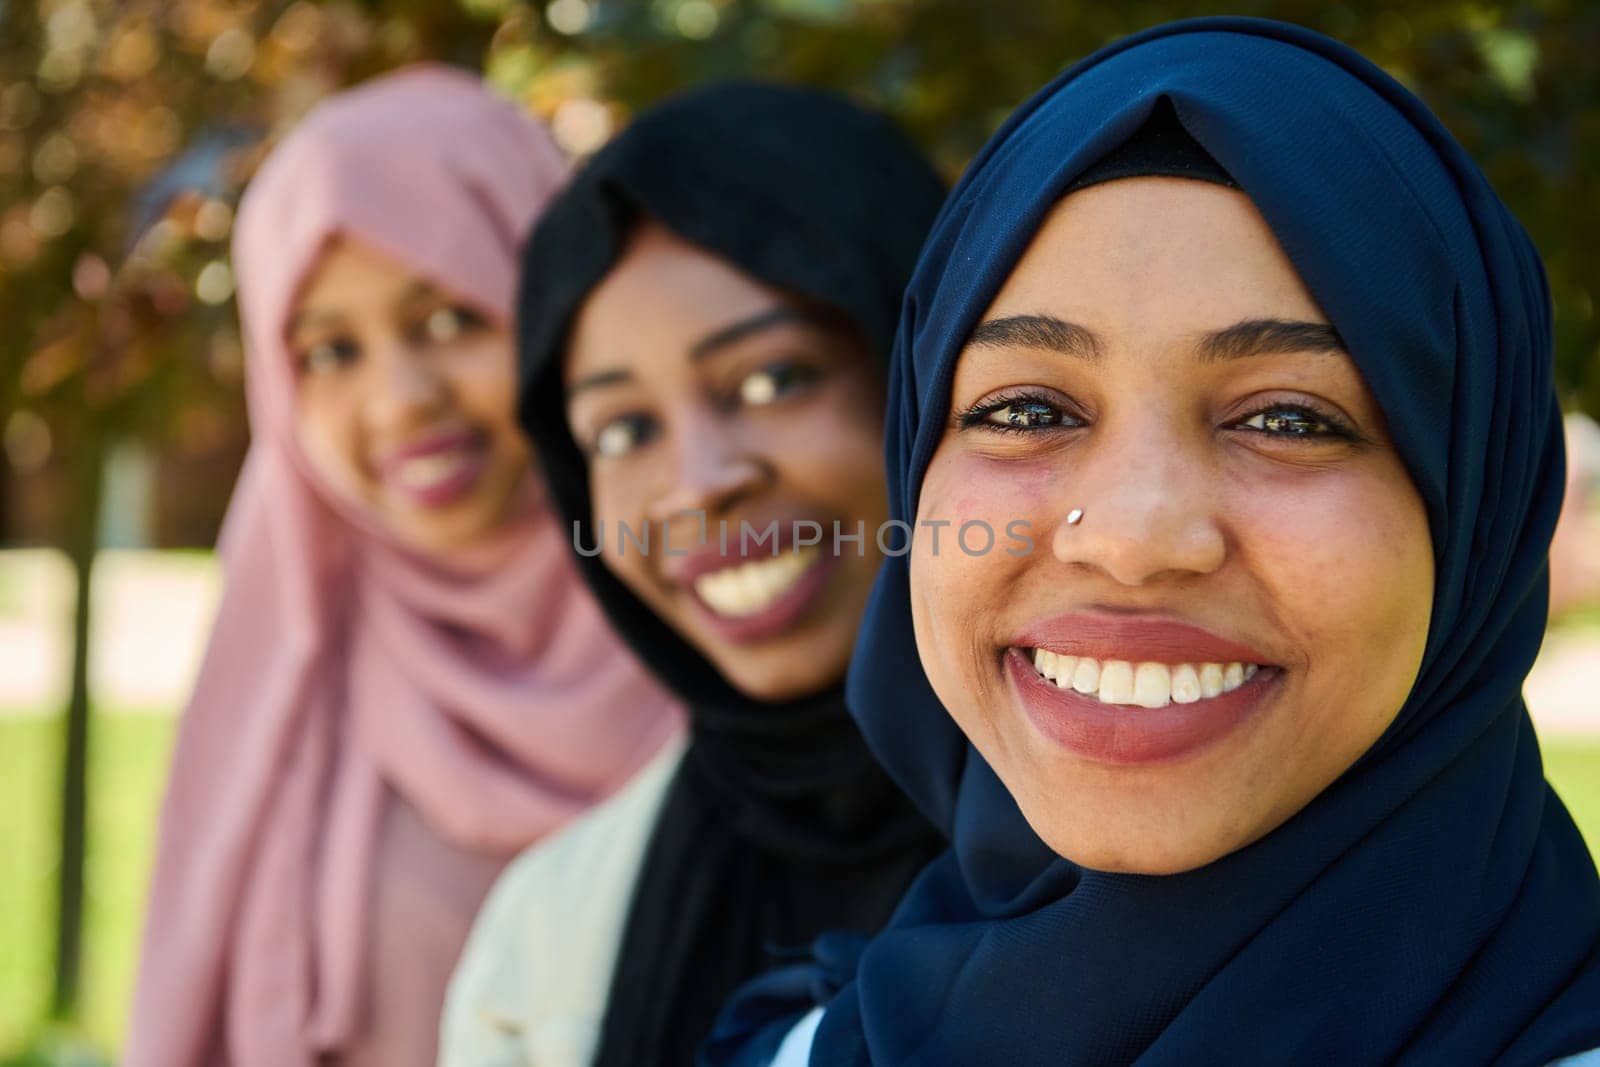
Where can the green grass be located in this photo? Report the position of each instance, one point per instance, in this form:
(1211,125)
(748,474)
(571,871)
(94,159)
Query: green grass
(1573,767)
(1586,617)
(128,761)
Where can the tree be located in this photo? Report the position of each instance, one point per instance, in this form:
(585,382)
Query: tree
(1518,84)
(113,273)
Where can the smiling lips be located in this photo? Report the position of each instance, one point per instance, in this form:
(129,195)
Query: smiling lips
(748,599)
(437,471)
(1135,689)
(748,588)
(1148,685)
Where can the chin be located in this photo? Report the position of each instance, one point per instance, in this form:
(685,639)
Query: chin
(781,674)
(1112,831)
(443,538)
(1121,858)
(772,688)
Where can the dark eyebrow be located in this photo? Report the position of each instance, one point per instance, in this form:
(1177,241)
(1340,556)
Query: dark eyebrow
(314,317)
(738,331)
(1253,337)
(1037,331)
(1259,337)
(711,343)
(417,292)
(602,378)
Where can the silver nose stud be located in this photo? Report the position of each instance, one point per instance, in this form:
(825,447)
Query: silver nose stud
(1074,516)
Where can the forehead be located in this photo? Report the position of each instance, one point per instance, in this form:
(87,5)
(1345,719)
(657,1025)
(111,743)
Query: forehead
(663,297)
(1151,252)
(351,277)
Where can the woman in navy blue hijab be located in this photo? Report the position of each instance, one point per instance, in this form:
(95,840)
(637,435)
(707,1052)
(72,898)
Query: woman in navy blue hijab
(1221,408)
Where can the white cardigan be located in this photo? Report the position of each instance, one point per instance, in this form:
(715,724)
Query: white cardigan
(531,986)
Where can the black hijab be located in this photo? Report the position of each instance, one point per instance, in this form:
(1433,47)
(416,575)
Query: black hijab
(779,824)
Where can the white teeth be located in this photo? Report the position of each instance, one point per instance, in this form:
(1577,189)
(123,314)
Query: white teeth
(752,588)
(1116,682)
(1066,668)
(1045,661)
(427,471)
(1055,667)
(1086,676)
(747,588)
(1152,685)
(1146,684)
(1185,684)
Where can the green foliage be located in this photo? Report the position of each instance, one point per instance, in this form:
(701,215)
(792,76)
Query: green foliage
(126,330)
(1519,84)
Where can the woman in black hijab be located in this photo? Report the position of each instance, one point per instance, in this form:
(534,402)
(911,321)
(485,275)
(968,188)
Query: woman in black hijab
(706,314)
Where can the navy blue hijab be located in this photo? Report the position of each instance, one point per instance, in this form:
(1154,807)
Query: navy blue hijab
(1436,903)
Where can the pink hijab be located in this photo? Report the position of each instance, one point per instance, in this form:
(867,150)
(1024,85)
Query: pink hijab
(345,672)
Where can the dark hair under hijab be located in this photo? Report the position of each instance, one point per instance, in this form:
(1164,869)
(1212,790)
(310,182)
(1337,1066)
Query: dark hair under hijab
(779,824)
(1435,905)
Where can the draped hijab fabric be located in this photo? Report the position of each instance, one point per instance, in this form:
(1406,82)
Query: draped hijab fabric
(779,824)
(344,672)
(1435,905)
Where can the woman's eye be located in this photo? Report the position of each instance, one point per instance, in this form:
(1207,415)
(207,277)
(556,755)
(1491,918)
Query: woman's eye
(1290,422)
(1020,415)
(328,357)
(621,436)
(448,323)
(771,383)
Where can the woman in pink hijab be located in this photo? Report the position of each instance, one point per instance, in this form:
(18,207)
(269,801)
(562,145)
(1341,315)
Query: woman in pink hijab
(407,683)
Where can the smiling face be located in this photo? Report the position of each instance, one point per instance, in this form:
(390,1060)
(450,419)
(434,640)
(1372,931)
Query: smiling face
(1238,608)
(705,400)
(404,399)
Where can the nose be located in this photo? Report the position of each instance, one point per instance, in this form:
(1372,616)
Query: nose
(408,388)
(1148,511)
(714,469)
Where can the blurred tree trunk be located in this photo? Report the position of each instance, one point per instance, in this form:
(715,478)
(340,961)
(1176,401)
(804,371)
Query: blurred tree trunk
(88,473)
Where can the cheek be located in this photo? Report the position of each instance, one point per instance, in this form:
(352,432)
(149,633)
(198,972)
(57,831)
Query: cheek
(483,381)
(1347,563)
(1010,506)
(618,493)
(961,586)
(329,428)
(831,451)
(622,488)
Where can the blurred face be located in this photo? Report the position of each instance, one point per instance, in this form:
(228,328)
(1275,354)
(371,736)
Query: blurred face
(405,399)
(1229,591)
(739,427)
